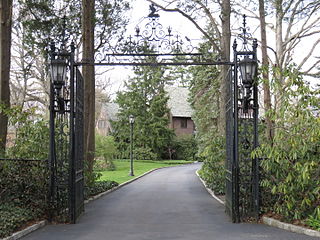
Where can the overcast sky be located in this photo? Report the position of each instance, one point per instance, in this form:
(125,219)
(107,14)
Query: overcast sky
(137,16)
(140,11)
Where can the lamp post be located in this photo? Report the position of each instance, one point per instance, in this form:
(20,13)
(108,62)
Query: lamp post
(131,121)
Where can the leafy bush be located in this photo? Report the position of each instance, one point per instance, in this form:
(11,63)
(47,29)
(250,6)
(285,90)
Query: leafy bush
(23,195)
(31,134)
(183,148)
(12,217)
(313,222)
(106,149)
(23,183)
(213,168)
(291,162)
(99,187)
(144,153)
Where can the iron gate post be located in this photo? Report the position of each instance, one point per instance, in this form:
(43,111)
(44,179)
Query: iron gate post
(51,162)
(235,138)
(66,101)
(72,138)
(256,138)
(245,130)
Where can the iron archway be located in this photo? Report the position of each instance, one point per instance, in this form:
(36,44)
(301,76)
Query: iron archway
(66,117)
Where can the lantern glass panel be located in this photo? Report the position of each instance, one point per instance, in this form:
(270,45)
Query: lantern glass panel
(248,71)
(58,71)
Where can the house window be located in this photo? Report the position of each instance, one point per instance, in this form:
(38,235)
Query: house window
(184,123)
(101,124)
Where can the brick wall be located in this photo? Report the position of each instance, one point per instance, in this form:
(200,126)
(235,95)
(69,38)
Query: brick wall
(182,126)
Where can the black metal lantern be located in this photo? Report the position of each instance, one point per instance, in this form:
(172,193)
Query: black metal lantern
(248,70)
(58,72)
(131,119)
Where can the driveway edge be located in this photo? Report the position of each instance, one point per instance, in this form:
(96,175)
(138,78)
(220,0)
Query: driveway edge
(130,181)
(26,231)
(290,227)
(121,185)
(208,189)
(270,221)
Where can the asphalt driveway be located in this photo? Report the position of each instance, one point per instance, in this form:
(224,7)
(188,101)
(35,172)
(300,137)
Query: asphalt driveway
(169,203)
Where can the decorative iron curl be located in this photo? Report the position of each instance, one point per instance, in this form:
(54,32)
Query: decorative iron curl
(153,39)
(245,35)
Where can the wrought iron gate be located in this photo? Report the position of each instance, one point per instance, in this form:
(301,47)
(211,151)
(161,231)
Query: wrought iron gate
(66,137)
(160,48)
(231,200)
(77,169)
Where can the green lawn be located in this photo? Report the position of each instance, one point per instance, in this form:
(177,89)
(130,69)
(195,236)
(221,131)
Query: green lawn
(121,174)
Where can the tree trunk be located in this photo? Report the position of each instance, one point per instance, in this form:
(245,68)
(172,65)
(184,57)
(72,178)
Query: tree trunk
(225,56)
(265,73)
(279,51)
(5,54)
(88,13)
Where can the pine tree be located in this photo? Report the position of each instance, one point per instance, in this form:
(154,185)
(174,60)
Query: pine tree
(145,99)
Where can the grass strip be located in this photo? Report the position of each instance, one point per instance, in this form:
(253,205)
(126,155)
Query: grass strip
(121,174)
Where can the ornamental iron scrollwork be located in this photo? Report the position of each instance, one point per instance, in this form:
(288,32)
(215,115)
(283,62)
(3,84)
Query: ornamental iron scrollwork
(152,39)
(245,35)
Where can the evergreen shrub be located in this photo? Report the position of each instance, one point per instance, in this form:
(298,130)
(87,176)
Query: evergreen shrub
(98,187)
(290,163)
(183,148)
(23,183)
(106,150)
(213,168)
(144,153)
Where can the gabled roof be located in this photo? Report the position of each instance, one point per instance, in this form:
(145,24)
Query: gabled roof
(178,101)
(178,104)
(111,110)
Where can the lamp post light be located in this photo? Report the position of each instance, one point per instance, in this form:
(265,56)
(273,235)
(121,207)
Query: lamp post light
(131,121)
(248,71)
(58,73)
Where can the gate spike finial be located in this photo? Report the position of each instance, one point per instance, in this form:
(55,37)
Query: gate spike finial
(153,13)
(244,21)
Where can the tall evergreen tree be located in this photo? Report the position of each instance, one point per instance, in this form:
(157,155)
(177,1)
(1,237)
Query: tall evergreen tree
(145,99)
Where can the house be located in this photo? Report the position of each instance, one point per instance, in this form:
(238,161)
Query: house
(180,113)
(107,114)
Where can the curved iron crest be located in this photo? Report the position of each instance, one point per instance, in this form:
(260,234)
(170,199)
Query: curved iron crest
(245,36)
(152,39)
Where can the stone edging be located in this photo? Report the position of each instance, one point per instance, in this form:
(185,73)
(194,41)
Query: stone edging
(290,227)
(26,231)
(270,221)
(209,190)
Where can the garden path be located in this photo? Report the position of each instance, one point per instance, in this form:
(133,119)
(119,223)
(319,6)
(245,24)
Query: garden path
(169,203)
